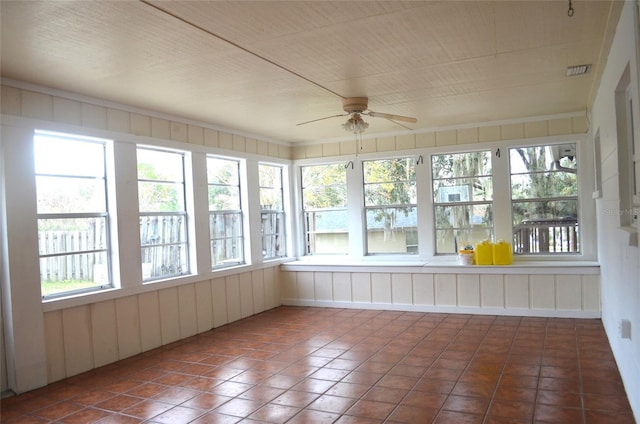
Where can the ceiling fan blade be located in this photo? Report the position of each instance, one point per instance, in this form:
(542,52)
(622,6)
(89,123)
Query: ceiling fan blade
(392,117)
(322,119)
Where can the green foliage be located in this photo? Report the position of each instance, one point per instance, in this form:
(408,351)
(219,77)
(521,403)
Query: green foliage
(324,186)
(157,195)
(545,179)
(390,182)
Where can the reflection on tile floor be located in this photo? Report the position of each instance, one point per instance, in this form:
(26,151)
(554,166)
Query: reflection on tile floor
(315,365)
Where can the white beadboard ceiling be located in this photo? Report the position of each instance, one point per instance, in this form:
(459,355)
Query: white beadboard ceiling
(262,67)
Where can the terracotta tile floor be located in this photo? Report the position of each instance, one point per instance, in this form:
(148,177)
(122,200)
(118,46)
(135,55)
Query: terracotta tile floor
(314,365)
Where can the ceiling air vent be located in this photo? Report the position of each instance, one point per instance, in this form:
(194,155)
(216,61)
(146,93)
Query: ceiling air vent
(572,71)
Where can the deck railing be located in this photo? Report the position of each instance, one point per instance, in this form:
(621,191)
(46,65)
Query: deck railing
(552,235)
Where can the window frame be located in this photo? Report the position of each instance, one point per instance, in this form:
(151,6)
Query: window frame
(183,214)
(578,241)
(413,159)
(436,204)
(269,214)
(305,230)
(105,216)
(239,213)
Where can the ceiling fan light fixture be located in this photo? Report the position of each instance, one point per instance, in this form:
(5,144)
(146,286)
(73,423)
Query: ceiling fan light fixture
(355,124)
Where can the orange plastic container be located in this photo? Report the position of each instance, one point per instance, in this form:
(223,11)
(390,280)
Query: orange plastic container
(484,253)
(502,253)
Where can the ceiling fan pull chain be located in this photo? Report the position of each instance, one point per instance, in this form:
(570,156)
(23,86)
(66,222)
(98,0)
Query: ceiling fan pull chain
(570,12)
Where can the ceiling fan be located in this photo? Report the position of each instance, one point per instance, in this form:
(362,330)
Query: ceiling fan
(355,107)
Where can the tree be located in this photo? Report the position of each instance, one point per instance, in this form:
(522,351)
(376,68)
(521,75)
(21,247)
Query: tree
(544,183)
(155,195)
(391,183)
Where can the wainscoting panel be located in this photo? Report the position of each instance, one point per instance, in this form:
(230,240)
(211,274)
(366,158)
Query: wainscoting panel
(562,294)
(81,338)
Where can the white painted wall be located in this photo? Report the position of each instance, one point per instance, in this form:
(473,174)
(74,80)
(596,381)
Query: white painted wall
(620,262)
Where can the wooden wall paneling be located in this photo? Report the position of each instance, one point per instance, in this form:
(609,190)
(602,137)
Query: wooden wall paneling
(78,344)
(150,328)
(234,307)
(219,301)
(104,332)
(128,326)
(204,306)
(169,315)
(188,310)
(54,339)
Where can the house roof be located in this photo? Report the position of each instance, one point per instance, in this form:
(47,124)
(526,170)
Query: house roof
(262,67)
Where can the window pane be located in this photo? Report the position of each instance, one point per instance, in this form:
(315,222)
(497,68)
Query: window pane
(162,229)
(60,236)
(451,240)
(390,193)
(224,225)
(164,246)
(73,238)
(392,230)
(544,189)
(164,261)
(324,186)
(272,232)
(224,198)
(463,190)
(160,165)
(547,235)
(389,170)
(547,184)
(271,198)
(79,271)
(225,252)
(160,197)
(324,198)
(464,216)
(67,156)
(223,171)
(390,197)
(456,165)
(270,176)
(462,194)
(70,194)
(327,231)
(226,231)
(560,157)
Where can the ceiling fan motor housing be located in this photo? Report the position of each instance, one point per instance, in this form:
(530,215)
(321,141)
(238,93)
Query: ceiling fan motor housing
(355,104)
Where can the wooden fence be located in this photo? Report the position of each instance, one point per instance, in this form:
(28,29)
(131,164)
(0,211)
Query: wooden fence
(76,255)
(163,240)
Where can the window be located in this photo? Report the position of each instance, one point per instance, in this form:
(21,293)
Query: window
(628,153)
(462,199)
(73,217)
(634,158)
(272,211)
(544,199)
(163,215)
(324,204)
(390,206)
(225,212)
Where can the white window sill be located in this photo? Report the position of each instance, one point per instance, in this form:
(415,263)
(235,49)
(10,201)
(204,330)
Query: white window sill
(440,265)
